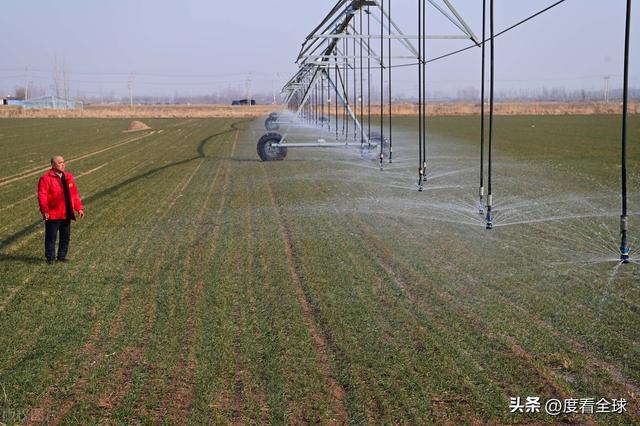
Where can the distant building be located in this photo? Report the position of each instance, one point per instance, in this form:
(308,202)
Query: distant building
(46,102)
(11,100)
(243,102)
(52,102)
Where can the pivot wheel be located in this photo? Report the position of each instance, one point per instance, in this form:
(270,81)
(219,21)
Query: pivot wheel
(266,149)
(271,123)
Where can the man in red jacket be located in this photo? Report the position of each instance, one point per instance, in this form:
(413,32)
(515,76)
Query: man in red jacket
(59,201)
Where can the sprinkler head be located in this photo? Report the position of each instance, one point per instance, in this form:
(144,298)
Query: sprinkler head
(489,221)
(624,254)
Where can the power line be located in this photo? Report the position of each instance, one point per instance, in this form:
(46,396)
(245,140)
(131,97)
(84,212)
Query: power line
(36,70)
(455,52)
(499,33)
(148,83)
(517,24)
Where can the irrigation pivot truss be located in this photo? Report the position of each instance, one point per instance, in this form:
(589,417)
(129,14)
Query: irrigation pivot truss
(359,40)
(332,89)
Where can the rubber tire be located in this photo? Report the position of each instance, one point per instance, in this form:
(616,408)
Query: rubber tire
(266,152)
(271,124)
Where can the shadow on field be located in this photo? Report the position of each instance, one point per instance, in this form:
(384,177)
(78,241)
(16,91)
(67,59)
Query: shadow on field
(20,258)
(21,233)
(108,191)
(232,128)
(206,140)
(95,197)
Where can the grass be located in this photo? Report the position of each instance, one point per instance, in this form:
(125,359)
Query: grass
(207,286)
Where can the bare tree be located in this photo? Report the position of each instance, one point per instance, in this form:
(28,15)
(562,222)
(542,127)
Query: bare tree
(56,77)
(20,92)
(65,81)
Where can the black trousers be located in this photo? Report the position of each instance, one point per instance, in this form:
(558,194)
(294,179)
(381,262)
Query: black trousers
(51,230)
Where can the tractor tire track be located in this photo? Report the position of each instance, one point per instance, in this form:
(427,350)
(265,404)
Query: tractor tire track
(14,291)
(134,356)
(390,263)
(548,378)
(86,350)
(234,400)
(20,238)
(90,348)
(401,284)
(632,389)
(130,356)
(337,391)
(41,169)
(178,401)
(257,396)
(124,299)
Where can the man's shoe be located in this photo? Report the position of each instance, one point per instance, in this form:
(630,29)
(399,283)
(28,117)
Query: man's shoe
(50,262)
(65,260)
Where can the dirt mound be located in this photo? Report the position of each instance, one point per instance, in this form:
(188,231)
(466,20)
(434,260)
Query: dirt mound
(136,126)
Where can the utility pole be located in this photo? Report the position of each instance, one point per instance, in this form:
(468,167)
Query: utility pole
(26,84)
(273,89)
(606,88)
(56,77)
(65,82)
(130,85)
(248,87)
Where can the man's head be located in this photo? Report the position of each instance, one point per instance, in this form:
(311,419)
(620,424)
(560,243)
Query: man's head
(57,163)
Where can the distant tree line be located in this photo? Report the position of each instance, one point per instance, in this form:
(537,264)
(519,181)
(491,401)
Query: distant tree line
(544,94)
(466,94)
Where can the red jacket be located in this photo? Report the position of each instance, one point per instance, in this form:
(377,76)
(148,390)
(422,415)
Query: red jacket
(51,195)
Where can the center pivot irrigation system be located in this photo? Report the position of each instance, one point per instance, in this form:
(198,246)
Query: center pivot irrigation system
(359,41)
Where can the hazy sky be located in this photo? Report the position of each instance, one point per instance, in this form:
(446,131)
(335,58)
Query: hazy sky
(202,46)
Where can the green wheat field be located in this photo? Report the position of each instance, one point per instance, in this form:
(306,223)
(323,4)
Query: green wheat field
(207,286)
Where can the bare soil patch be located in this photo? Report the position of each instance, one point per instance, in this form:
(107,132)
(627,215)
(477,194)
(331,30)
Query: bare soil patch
(398,109)
(136,126)
(139,112)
